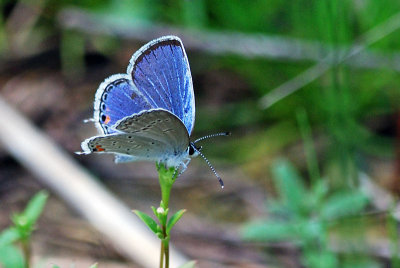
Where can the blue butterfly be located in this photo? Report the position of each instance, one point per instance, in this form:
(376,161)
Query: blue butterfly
(148,113)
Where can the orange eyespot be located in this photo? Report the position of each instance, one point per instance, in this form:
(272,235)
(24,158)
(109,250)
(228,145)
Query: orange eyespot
(98,148)
(107,119)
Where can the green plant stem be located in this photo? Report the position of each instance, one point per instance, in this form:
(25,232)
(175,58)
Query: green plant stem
(166,252)
(165,193)
(166,178)
(26,249)
(162,255)
(165,245)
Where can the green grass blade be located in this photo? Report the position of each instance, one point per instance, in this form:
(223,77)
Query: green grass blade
(147,220)
(35,207)
(290,186)
(174,219)
(11,257)
(8,236)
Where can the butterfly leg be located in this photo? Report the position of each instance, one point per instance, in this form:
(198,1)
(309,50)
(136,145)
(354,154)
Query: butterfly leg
(184,167)
(180,172)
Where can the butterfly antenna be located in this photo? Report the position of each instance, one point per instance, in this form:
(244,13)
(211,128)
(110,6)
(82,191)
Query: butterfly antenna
(213,135)
(212,168)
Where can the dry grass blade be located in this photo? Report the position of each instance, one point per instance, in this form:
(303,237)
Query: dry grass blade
(54,168)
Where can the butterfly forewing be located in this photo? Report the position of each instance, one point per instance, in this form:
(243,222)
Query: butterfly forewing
(160,70)
(115,99)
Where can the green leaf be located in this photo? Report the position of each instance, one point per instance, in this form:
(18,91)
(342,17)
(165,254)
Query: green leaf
(174,219)
(147,220)
(270,231)
(276,208)
(190,264)
(320,190)
(9,236)
(154,211)
(310,230)
(289,185)
(343,203)
(360,262)
(94,265)
(35,207)
(317,259)
(11,257)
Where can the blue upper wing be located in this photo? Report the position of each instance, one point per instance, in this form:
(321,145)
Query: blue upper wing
(117,98)
(161,73)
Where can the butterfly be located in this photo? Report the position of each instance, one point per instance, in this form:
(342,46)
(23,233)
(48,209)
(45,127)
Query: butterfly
(148,113)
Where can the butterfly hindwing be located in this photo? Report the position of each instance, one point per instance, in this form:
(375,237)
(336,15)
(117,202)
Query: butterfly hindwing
(157,124)
(138,147)
(153,135)
(160,71)
(115,99)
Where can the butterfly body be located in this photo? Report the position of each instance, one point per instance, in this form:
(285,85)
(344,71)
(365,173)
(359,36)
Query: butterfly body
(148,113)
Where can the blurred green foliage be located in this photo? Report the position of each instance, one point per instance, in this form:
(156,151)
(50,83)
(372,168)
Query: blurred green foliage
(308,215)
(305,216)
(343,105)
(20,233)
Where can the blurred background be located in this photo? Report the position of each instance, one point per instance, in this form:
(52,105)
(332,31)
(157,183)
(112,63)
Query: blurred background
(310,90)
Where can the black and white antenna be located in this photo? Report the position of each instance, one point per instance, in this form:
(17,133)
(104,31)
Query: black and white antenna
(205,159)
(212,135)
(212,168)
